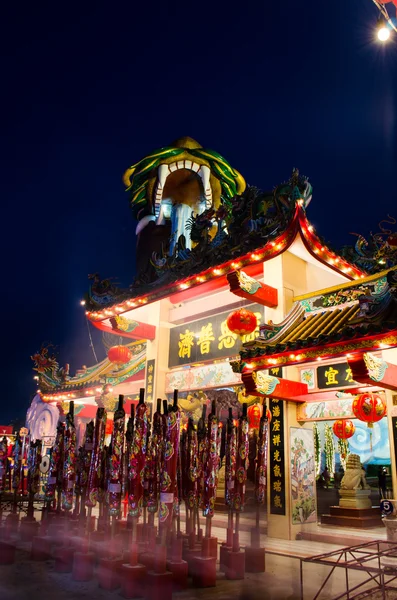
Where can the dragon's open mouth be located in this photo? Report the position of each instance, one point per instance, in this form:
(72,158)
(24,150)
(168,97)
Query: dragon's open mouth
(183,182)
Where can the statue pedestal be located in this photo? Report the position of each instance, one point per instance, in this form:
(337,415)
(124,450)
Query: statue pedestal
(391,528)
(354,510)
(355,498)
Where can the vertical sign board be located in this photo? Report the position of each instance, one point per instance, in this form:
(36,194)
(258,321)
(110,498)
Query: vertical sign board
(150,370)
(277,458)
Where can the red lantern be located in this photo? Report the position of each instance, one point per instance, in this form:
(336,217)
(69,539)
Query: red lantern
(343,429)
(242,321)
(119,355)
(254,414)
(369,408)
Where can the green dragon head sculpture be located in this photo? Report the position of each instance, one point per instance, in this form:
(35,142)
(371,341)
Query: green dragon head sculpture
(185,174)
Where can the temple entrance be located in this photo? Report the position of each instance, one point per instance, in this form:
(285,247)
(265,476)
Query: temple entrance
(331,455)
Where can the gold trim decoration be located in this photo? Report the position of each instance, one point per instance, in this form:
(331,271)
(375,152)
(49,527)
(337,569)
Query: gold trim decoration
(301,356)
(343,286)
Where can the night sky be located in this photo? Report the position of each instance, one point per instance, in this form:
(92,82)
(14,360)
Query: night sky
(90,88)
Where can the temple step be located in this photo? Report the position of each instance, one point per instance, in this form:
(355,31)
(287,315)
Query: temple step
(360,518)
(373,512)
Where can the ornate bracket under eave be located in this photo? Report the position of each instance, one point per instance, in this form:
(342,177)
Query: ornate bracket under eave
(368,368)
(128,328)
(247,287)
(258,383)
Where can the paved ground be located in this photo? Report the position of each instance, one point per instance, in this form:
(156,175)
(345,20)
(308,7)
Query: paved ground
(27,580)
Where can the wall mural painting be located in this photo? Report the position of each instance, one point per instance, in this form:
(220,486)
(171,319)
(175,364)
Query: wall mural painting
(303,491)
(360,442)
(332,409)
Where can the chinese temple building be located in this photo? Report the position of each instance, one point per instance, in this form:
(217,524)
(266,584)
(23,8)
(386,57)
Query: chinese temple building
(207,245)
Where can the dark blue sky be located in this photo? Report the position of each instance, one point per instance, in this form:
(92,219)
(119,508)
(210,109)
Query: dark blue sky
(90,88)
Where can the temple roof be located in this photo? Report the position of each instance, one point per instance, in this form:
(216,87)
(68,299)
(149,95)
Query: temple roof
(106,302)
(199,221)
(346,318)
(55,383)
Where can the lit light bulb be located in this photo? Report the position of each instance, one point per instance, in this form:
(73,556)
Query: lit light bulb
(383,33)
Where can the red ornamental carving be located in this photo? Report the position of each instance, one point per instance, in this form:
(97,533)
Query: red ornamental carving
(242,321)
(343,429)
(369,408)
(119,355)
(254,416)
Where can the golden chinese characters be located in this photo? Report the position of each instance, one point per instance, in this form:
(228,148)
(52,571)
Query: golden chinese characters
(205,337)
(186,343)
(227,339)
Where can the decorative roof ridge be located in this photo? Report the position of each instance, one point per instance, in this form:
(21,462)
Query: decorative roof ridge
(343,286)
(323,309)
(271,331)
(273,247)
(51,378)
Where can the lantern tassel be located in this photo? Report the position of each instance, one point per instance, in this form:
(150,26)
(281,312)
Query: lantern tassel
(370,426)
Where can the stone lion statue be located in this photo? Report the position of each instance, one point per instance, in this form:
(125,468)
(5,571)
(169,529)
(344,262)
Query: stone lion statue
(354,477)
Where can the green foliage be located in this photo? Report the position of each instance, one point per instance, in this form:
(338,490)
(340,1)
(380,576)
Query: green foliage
(317,450)
(329,450)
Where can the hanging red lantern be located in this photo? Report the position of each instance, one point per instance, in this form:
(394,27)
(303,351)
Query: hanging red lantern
(343,429)
(369,408)
(254,414)
(119,355)
(242,321)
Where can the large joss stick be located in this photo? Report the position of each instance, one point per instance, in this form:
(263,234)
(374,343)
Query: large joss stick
(34,461)
(261,465)
(85,463)
(77,487)
(202,459)
(183,472)
(241,470)
(154,463)
(148,468)
(54,479)
(69,460)
(16,476)
(230,472)
(211,468)
(169,471)
(129,436)
(103,520)
(3,462)
(137,462)
(191,472)
(116,462)
(96,467)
